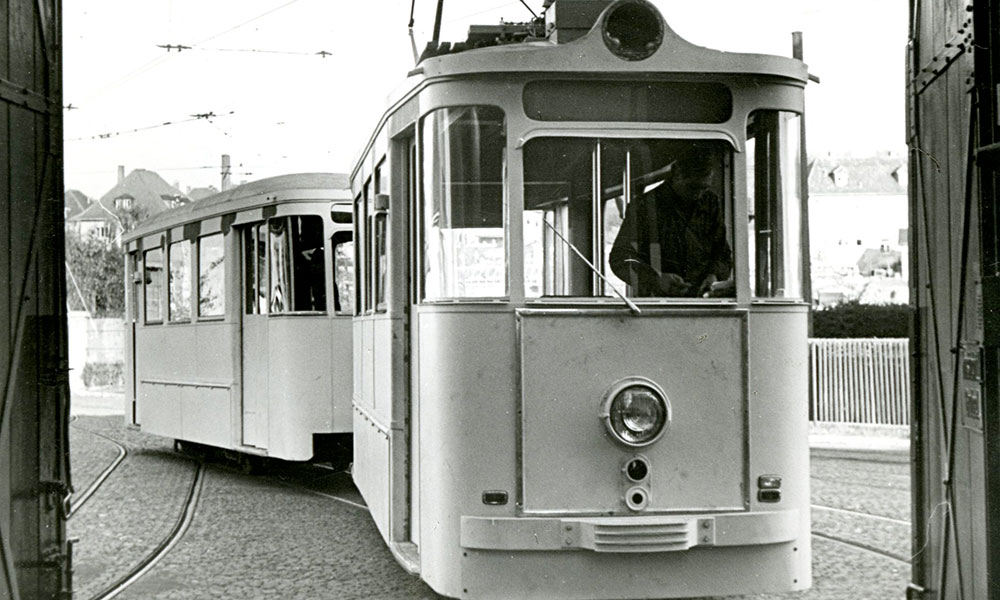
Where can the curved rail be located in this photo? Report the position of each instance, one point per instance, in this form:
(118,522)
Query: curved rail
(76,503)
(859,546)
(861,514)
(164,547)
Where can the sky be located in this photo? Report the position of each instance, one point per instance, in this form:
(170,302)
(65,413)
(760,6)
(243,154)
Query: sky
(279,107)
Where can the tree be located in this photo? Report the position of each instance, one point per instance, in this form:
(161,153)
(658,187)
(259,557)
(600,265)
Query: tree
(94,272)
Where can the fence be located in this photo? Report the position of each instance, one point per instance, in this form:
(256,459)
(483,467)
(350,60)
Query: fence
(860,381)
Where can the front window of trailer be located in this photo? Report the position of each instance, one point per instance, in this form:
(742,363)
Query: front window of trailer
(464,253)
(646,217)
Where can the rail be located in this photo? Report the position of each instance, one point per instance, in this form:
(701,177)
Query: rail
(864,381)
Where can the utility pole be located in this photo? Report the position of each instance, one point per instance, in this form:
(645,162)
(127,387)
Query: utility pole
(225,172)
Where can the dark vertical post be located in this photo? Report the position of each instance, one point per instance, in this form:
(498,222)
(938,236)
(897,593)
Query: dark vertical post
(986,18)
(797,53)
(437,23)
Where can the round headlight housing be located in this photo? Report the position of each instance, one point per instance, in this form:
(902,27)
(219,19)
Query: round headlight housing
(633,29)
(635,411)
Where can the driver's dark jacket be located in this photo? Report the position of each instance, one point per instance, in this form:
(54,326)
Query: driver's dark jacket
(691,240)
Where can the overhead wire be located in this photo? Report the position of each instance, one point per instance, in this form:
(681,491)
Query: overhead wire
(109,135)
(141,69)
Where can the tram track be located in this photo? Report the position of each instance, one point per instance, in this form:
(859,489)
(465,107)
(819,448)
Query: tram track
(77,502)
(861,514)
(855,544)
(165,546)
(861,546)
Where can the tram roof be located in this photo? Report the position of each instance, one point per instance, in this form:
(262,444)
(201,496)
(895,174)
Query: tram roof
(589,56)
(242,197)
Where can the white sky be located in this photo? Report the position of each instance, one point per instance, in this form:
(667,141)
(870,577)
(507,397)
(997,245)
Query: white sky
(299,112)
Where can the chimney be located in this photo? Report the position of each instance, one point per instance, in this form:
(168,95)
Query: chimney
(121,173)
(225,172)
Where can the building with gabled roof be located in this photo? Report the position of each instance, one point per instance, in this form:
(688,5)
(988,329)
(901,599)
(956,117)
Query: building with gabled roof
(134,198)
(200,193)
(858,221)
(75,202)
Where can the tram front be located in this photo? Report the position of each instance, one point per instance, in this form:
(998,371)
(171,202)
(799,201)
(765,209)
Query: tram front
(605,337)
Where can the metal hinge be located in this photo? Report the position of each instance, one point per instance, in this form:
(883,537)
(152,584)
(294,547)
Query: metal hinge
(19,95)
(915,592)
(58,494)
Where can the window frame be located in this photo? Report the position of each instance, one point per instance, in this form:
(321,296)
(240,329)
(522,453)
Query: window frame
(380,238)
(334,244)
(146,284)
(183,245)
(601,291)
(420,198)
(198,273)
(775,166)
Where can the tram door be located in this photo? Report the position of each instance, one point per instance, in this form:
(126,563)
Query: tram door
(410,179)
(134,289)
(254,342)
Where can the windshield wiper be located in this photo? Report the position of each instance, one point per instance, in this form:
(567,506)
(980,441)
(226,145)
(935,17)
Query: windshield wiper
(596,271)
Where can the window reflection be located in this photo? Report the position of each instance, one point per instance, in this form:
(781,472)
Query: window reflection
(343,273)
(180,281)
(774,201)
(211,276)
(464,245)
(152,261)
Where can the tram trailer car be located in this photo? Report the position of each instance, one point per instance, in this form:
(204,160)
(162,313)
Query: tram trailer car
(238,319)
(953,72)
(527,424)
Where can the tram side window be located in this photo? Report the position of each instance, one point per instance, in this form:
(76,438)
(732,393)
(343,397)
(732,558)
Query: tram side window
(255,269)
(296,258)
(343,273)
(380,235)
(152,264)
(359,254)
(211,276)
(463,252)
(774,200)
(370,262)
(179,289)
(646,217)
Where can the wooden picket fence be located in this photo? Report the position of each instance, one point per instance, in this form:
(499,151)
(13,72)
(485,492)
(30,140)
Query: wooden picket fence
(863,381)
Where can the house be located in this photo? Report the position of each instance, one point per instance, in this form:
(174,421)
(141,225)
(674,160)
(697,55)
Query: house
(137,196)
(75,202)
(200,193)
(858,219)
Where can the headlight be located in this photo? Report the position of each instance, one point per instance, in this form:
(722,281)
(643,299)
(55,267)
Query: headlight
(635,411)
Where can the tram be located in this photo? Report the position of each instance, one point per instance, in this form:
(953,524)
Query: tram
(580,321)
(238,311)
(954,139)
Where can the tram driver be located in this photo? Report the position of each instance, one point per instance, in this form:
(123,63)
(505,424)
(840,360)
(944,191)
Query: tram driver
(672,241)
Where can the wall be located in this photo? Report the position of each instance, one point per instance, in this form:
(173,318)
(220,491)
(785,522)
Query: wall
(93,341)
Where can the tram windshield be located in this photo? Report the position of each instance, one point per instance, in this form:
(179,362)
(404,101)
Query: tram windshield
(649,217)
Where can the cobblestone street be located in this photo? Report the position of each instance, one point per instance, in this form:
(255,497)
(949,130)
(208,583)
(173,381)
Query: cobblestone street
(255,536)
